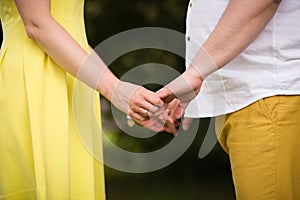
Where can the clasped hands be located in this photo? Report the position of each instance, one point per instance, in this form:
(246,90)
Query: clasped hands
(161,110)
(148,109)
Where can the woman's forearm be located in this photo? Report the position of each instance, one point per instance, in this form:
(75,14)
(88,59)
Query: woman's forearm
(56,42)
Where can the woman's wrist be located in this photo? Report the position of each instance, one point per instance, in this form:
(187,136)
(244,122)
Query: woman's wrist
(107,84)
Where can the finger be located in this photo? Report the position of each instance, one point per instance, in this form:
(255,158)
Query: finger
(161,114)
(137,117)
(165,94)
(178,112)
(170,126)
(174,107)
(186,123)
(154,128)
(142,105)
(140,109)
(145,99)
(153,99)
(171,129)
(152,124)
(176,123)
(145,115)
(157,127)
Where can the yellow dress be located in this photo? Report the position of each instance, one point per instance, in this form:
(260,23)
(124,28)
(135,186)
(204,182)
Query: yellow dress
(42,154)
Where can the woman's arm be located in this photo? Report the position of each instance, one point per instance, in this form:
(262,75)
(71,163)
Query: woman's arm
(67,53)
(50,35)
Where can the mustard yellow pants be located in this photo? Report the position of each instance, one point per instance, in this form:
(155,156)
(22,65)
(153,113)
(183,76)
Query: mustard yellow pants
(263,144)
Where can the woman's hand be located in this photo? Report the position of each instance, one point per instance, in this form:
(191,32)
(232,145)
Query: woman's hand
(135,100)
(142,106)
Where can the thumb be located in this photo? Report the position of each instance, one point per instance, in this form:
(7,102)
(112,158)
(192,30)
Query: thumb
(165,94)
(186,123)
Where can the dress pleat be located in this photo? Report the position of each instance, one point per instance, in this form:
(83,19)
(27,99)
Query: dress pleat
(50,125)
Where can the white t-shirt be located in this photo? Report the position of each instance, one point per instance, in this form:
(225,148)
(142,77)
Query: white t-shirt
(269,66)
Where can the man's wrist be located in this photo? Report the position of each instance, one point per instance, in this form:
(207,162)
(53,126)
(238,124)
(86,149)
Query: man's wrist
(203,64)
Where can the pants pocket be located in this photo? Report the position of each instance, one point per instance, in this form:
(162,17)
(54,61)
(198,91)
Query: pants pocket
(271,106)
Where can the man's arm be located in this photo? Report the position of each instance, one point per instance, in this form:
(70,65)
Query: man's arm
(239,26)
(241,23)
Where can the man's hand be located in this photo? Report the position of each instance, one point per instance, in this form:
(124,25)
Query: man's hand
(178,94)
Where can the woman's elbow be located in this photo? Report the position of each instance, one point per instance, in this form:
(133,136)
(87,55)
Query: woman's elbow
(32,30)
(35,27)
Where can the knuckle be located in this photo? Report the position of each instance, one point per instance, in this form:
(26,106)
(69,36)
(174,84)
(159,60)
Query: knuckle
(130,113)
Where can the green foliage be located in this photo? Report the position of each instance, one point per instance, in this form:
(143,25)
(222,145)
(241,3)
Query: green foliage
(105,18)
(108,17)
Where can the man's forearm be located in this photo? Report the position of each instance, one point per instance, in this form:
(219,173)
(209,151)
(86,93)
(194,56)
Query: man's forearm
(239,26)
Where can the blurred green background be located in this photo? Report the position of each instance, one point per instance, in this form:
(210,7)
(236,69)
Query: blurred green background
(189,177)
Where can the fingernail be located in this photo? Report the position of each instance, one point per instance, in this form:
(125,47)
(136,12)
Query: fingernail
(185,128)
